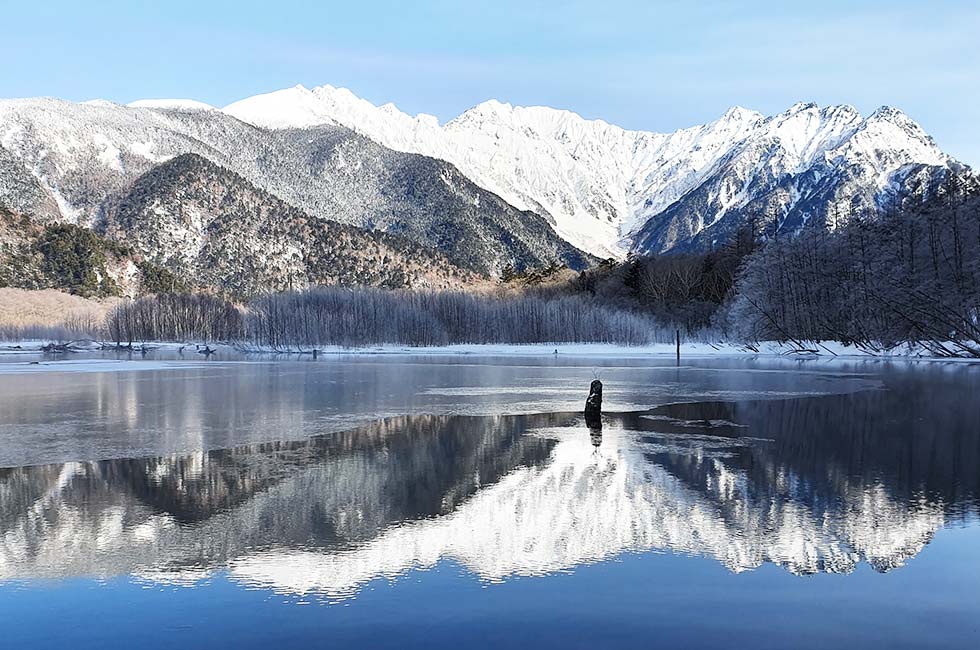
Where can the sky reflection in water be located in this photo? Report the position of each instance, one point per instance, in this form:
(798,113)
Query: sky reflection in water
(414,512)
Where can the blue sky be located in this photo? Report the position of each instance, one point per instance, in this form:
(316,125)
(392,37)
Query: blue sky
(645,65)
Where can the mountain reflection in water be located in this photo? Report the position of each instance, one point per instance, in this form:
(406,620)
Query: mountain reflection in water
(817,484)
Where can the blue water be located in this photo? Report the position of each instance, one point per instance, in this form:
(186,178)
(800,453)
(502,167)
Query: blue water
(654,600)
(779,505)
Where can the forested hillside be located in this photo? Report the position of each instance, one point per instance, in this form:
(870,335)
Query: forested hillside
(63,256)
(213,230)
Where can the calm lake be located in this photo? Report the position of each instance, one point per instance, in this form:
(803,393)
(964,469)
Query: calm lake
(461,501)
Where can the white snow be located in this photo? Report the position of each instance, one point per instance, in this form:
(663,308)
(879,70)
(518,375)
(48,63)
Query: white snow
(67,210)
(172,104)
(288,108)
(109,156)
(101,103)
(146,150)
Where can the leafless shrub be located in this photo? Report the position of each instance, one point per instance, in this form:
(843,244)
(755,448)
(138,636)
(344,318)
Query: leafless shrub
(175,317)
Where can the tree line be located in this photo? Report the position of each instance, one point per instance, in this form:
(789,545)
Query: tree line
(908,276)
(338,316)
(362,316)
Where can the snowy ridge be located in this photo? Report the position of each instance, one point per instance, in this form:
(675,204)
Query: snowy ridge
(601,185)
(172,104)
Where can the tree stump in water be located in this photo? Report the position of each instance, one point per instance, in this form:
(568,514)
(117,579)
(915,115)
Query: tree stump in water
(594,403)
(593,413)
(593,406)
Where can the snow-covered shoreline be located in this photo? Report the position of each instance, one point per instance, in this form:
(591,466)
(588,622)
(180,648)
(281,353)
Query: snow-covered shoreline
(664,350)
(188,355)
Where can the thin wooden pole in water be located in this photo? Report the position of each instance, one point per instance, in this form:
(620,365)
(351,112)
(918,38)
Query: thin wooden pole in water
(678,332)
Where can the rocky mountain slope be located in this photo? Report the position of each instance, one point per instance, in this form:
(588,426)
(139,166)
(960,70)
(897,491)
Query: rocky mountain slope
(72,160)
(609,190)
(209,227)
(23,192)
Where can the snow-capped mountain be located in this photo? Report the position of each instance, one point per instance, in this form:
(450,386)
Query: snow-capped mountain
(497,186)
(608,190)
(65,161)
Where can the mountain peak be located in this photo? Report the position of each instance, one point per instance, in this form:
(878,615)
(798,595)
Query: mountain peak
(740,111)
(102,103)
(886,113)
(172,104)
(599,183)
(295,107)
(489,107)
(800,107)
(740,114)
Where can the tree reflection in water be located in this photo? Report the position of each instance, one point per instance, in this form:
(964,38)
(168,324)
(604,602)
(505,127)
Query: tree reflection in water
(810,484)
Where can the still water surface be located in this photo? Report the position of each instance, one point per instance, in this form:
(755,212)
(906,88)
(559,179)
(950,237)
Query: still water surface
(439,502)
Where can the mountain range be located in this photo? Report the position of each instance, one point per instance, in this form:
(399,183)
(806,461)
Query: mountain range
(611,191)
(254,191)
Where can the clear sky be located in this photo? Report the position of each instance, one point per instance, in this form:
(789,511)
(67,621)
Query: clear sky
(657,65)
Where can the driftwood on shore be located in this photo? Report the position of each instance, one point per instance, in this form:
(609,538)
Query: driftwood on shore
(61,348)
(56,348)
(143,348)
